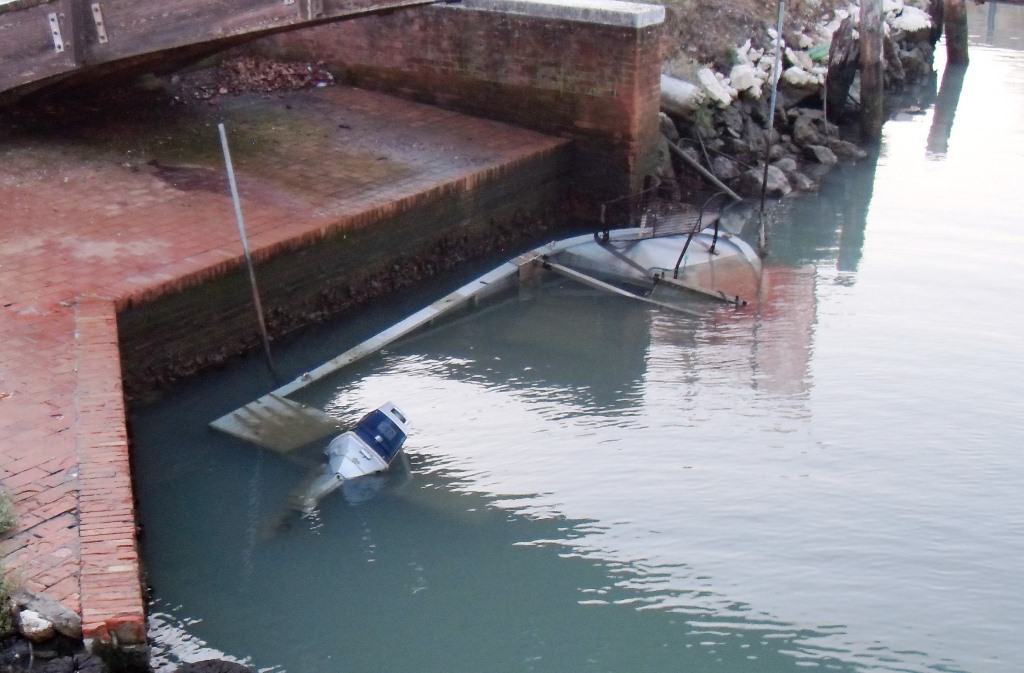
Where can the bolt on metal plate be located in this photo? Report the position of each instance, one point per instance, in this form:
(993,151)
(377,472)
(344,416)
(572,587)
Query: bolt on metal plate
(58,41)
(97,17)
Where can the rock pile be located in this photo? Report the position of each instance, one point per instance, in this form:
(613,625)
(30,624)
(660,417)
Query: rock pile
(719,119)
(47,638)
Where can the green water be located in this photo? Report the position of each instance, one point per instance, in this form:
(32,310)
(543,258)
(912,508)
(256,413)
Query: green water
(830,481)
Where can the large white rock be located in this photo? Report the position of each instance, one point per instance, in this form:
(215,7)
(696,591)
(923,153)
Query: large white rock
(826,31)
(679,97)
(840,16)
(799,58)
(33,626)
(798,77)
(729,89)
(743,77)
(911,20)
(891,6)
(743,53)
(65,621)
(714,88)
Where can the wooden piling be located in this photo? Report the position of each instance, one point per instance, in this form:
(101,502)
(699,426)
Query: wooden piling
(954,18)
(872,69)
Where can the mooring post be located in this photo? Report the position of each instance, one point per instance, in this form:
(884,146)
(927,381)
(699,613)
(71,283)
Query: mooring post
(872,70)
(245,244)
(955,21)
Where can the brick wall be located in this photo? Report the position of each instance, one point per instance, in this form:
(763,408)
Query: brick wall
(377,252)
(595,82)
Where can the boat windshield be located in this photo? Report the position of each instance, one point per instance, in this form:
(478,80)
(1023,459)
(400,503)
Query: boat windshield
(381,434)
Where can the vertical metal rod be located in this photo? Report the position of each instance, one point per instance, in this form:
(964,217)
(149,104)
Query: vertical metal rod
(245,244)
(761,239)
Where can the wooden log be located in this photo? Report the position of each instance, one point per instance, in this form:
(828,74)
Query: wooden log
(935,10)
(843,59)
(872,70)
(955,21)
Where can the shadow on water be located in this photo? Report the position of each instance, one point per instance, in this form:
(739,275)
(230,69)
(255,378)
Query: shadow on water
(839,218)
(945,110)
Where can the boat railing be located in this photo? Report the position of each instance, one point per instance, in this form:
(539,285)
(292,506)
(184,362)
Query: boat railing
(625,211)
(650,215)
(698,227)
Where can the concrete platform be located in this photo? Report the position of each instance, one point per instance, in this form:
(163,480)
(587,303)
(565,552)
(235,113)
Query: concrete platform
(101,210)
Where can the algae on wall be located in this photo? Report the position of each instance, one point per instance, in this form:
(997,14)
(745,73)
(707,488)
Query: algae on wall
(7,520)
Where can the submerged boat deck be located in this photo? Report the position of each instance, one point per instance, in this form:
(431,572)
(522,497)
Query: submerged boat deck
(648,255)
(99,218)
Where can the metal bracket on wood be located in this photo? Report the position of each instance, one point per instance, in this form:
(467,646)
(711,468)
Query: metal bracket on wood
(97,17)
(58,41)
(316,8)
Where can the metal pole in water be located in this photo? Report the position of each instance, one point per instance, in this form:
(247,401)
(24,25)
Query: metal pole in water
(245,245)
(761,240)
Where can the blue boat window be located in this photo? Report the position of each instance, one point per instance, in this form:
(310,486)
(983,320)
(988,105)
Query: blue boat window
(381,434)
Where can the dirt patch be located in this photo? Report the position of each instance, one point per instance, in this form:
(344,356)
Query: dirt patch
(705,32)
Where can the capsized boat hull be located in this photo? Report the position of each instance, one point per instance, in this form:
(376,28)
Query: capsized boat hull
(628,256)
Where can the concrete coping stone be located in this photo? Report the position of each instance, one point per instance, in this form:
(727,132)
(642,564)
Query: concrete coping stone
(607,12)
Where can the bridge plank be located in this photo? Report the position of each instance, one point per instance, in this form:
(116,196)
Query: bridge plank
(143,27)
(137,28)
(26,46)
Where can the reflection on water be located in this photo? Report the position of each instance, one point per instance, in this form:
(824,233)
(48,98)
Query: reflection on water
(945,109)
(996,24)
(826,479)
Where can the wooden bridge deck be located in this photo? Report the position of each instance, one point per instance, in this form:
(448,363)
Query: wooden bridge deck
(42,41)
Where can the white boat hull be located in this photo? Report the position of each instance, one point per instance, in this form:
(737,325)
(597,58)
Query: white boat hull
(722,265)
(349,457)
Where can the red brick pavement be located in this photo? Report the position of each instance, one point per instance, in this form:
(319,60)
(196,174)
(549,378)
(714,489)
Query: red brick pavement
(124,211)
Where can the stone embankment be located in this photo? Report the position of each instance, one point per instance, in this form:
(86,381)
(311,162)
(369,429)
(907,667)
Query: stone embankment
(719,120)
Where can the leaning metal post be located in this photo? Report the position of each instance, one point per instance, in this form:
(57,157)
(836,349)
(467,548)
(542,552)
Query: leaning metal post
(245,244)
